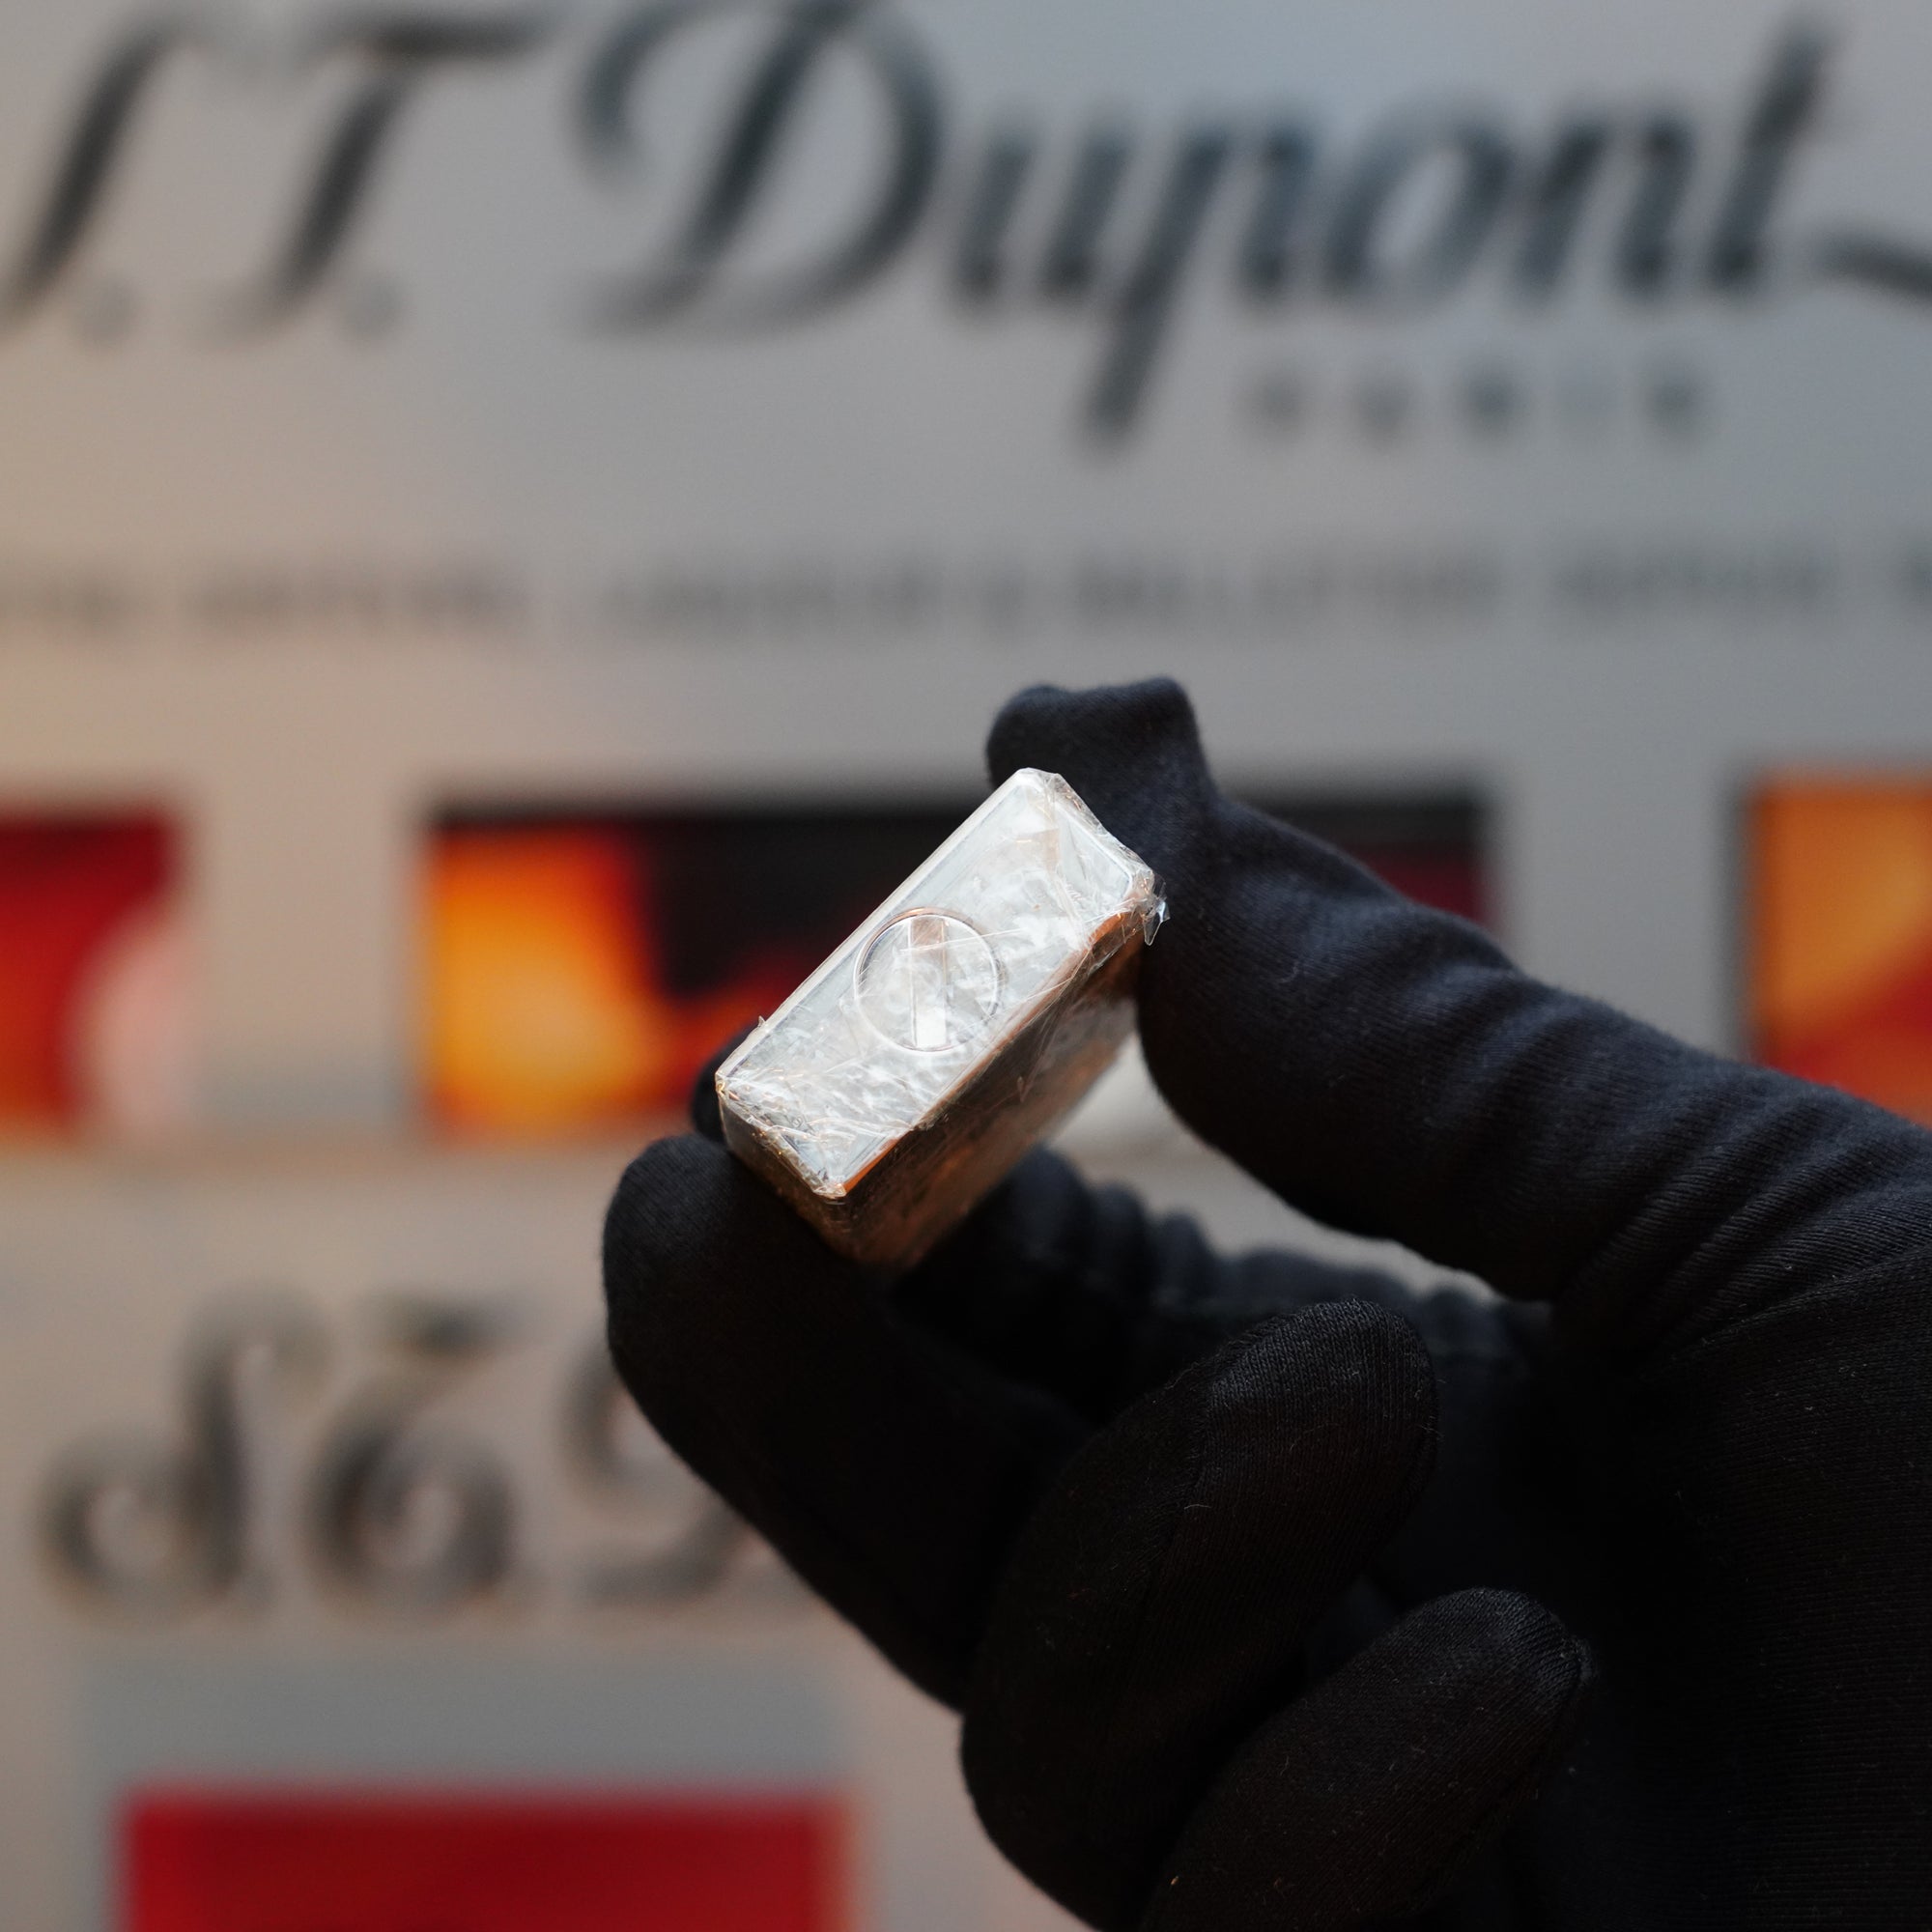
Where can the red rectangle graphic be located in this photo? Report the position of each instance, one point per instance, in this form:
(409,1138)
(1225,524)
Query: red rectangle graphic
(408,1862)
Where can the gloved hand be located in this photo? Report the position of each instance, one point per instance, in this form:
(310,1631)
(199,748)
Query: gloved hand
(1163,1527)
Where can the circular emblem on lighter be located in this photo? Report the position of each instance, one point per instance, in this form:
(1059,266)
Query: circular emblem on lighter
(928,980)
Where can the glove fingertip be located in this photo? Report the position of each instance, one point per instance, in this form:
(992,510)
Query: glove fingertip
(1541,1681)
(1373,1795)
(1086,734)
(1550,1670)
(682,1204)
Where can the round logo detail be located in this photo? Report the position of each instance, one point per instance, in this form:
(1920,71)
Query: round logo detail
(928,980)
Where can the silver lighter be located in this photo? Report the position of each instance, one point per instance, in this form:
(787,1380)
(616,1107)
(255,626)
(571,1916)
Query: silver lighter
(960,1023)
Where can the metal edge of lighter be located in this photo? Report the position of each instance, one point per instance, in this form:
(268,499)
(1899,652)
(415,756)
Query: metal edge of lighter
(916,1065)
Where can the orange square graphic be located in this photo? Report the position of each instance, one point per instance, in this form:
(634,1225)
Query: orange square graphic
(96,981)
(1838,933)
(407,1861)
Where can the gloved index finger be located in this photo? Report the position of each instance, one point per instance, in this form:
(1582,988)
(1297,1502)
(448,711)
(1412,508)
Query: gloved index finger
(887,1470)
(1387,1069)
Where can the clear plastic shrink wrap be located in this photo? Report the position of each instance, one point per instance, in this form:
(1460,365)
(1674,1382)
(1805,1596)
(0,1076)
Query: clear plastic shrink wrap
(912,1071)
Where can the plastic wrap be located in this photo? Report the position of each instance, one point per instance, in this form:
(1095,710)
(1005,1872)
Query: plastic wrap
(958,1024)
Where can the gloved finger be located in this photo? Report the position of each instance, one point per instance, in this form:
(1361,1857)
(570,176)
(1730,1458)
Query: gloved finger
(1387,1069)
(891,1471)
(1079,1291)
(1368,1797)
(1161,1593)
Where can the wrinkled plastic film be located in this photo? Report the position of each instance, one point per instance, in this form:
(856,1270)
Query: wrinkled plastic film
(957,1025)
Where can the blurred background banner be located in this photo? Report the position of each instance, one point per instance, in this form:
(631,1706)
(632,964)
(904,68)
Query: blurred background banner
(513,523)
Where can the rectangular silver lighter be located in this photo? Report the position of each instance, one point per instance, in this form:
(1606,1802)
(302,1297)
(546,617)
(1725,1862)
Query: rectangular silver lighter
(960,1023)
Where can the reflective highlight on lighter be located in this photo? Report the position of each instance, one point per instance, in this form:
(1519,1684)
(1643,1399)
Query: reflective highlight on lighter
(958,1024)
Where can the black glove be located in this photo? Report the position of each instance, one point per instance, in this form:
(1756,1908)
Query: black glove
(1162,1525)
